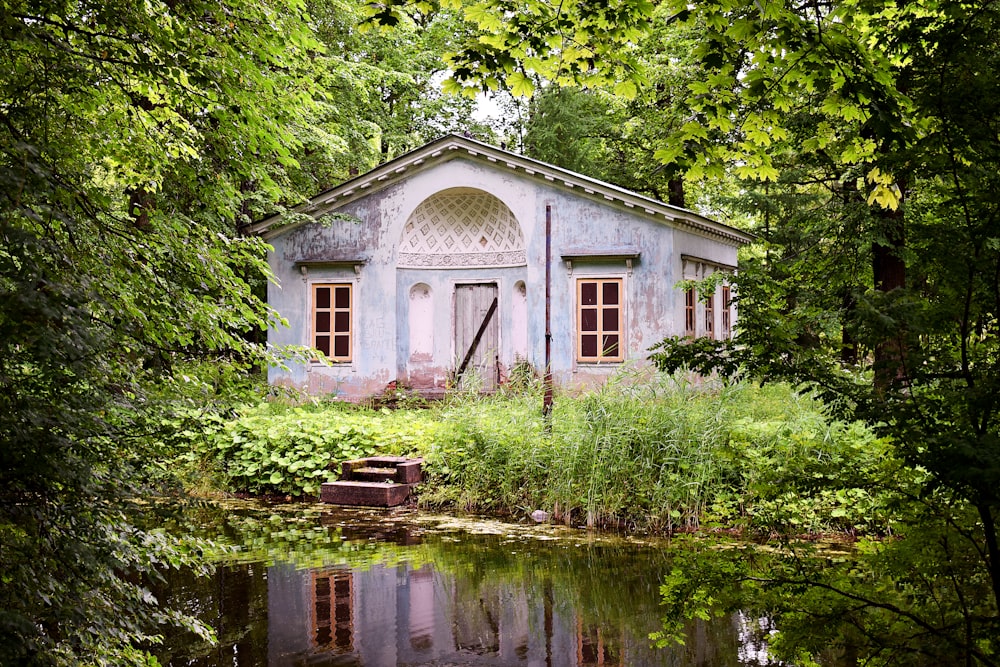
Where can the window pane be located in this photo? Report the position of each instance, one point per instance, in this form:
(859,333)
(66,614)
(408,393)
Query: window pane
(588,346)
(610,294)
(342,614)
(342,322)
(610,346)
(588,319)
(588,294)
(609,319)
(323,344)
(322,297)
(341,346)
(323,322)
(343,297)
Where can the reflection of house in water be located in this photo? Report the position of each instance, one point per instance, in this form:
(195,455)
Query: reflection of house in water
(592,648)
(333,611)
(405,616)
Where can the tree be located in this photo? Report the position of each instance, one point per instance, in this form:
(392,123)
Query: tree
(383,89)
(134,140)
(569,127)
(890,110)
(883,114)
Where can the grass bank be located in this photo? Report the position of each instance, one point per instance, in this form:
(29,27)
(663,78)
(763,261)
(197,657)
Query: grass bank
(656,453)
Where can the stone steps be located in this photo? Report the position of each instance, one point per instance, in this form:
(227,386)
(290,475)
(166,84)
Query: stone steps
(370,474)
(376,481)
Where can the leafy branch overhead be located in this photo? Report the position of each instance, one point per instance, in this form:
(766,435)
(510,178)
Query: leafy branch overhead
(585,44)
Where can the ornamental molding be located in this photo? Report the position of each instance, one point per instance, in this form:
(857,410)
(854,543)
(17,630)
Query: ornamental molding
(461,228)
(409,260)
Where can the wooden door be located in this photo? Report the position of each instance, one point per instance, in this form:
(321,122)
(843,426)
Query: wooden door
(477,334)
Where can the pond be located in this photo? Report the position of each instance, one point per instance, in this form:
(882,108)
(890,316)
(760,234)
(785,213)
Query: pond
(315,585)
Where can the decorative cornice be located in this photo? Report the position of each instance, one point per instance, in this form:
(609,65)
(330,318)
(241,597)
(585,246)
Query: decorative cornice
(708,262)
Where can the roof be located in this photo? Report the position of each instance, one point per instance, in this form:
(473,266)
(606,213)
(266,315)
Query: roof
(452,146)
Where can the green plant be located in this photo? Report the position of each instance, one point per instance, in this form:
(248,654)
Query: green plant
(273,448)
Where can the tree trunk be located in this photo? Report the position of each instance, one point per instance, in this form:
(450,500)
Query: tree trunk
(675,192)
(848,338)
(992,549)
(889,272)
(140,203)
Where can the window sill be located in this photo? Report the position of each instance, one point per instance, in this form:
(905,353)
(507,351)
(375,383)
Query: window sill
(331,363)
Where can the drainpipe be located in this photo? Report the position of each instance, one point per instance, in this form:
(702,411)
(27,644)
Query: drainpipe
(547,397)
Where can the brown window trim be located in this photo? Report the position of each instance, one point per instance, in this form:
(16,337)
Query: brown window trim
(330,331)
(710,315)
(690,316)
(727,319)
(600,309)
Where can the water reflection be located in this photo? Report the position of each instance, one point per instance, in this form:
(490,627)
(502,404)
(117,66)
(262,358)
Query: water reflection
(414,595)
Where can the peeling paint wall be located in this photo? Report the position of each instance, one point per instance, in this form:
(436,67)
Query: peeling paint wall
(404,317)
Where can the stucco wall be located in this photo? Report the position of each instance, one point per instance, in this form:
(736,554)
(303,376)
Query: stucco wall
(384,337)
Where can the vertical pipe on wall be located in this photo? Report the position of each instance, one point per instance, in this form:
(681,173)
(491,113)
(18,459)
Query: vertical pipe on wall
(547,397)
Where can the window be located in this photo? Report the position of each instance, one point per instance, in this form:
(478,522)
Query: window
(333,611)
(726,303)
(690,300)
(599,319)
(332,332)
(710,316)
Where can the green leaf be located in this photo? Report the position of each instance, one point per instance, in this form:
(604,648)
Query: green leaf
(520,85)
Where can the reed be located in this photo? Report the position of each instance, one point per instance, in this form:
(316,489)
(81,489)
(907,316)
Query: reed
(654,453)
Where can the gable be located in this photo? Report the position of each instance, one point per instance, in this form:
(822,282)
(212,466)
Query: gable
(500,162)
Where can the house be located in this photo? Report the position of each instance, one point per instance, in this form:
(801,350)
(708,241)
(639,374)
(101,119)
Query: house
(450,263)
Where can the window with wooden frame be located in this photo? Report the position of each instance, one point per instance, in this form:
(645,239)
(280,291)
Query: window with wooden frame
(710,315)
(599,319)
(690,320)
(727,324)
(332,332)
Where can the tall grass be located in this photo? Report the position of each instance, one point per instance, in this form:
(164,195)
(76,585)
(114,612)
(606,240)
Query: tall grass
(656,452)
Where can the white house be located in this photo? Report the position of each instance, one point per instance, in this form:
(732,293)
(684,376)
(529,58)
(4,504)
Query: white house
(454,260)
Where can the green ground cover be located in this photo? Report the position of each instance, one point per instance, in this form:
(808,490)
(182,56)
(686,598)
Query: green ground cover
(651,453)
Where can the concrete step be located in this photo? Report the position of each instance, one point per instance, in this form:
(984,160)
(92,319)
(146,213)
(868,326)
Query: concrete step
(384,461)
(370,474)
(377,468)
(368,494)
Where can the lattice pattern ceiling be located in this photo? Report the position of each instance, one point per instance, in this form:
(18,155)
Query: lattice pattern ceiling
(468,227)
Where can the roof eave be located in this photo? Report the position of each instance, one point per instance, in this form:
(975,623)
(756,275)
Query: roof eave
(446,147)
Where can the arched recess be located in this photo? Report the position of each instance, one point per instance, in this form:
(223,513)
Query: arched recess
(519,320)
(421,320)
(461,227)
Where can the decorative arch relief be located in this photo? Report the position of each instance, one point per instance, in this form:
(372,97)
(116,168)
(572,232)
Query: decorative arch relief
(460,228)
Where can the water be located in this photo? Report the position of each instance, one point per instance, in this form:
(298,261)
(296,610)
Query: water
(314,586)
